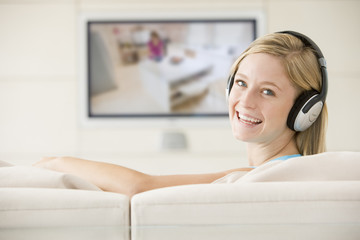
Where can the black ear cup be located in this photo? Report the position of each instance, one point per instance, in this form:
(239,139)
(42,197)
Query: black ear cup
(298,105)
(305,111)
(229,85)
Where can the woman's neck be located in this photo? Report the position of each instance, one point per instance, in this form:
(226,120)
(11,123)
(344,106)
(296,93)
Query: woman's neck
(260,153)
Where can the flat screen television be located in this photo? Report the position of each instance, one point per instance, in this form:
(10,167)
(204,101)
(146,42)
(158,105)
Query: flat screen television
(161,68)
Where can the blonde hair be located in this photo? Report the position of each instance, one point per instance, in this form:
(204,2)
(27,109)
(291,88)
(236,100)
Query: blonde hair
(303,70)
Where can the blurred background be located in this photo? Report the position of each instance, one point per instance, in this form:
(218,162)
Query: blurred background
(40,90)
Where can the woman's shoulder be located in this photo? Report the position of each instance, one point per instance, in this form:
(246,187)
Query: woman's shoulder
(233,175)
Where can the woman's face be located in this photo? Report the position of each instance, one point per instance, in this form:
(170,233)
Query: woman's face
(260,99)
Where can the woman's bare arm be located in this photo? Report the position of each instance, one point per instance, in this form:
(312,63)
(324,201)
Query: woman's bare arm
(115,178)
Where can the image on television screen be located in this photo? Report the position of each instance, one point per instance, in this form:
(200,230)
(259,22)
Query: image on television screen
(162,68)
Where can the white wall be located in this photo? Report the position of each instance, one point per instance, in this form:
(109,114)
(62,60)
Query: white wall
(39,95)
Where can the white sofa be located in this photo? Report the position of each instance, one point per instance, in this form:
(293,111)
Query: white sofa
(317,202)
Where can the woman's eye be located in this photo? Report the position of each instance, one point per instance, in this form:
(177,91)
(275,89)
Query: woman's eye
(241,83)
(269,92)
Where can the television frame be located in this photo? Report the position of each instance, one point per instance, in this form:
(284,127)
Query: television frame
(161,121)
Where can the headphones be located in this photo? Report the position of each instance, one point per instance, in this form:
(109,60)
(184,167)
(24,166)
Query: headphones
(308,105)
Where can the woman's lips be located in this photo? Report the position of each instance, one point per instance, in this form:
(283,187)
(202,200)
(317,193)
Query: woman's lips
(247,119)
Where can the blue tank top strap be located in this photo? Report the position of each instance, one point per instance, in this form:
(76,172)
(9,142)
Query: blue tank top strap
(283,158)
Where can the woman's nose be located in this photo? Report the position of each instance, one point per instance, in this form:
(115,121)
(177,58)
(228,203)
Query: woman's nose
(248,98)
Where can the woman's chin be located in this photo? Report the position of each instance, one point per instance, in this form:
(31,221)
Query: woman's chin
(244,137)
(246,134)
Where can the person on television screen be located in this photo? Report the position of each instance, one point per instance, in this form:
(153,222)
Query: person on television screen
(155,47)
(265,83)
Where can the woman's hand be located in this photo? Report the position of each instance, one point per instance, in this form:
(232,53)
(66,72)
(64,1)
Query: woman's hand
(47,163)
(108,177)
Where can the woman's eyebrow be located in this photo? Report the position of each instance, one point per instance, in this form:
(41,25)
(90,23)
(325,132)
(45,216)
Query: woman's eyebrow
(240,75)
(243,76)
(272,84)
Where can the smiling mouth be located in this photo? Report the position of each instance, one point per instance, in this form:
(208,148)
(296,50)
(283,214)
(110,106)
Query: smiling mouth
(248,120)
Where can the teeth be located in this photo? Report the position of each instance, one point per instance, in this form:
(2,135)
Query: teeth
(253,120)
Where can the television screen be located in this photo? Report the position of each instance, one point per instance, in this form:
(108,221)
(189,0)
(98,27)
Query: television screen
(162,68)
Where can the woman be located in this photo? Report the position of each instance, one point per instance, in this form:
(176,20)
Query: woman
(265,82)
(156,47)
